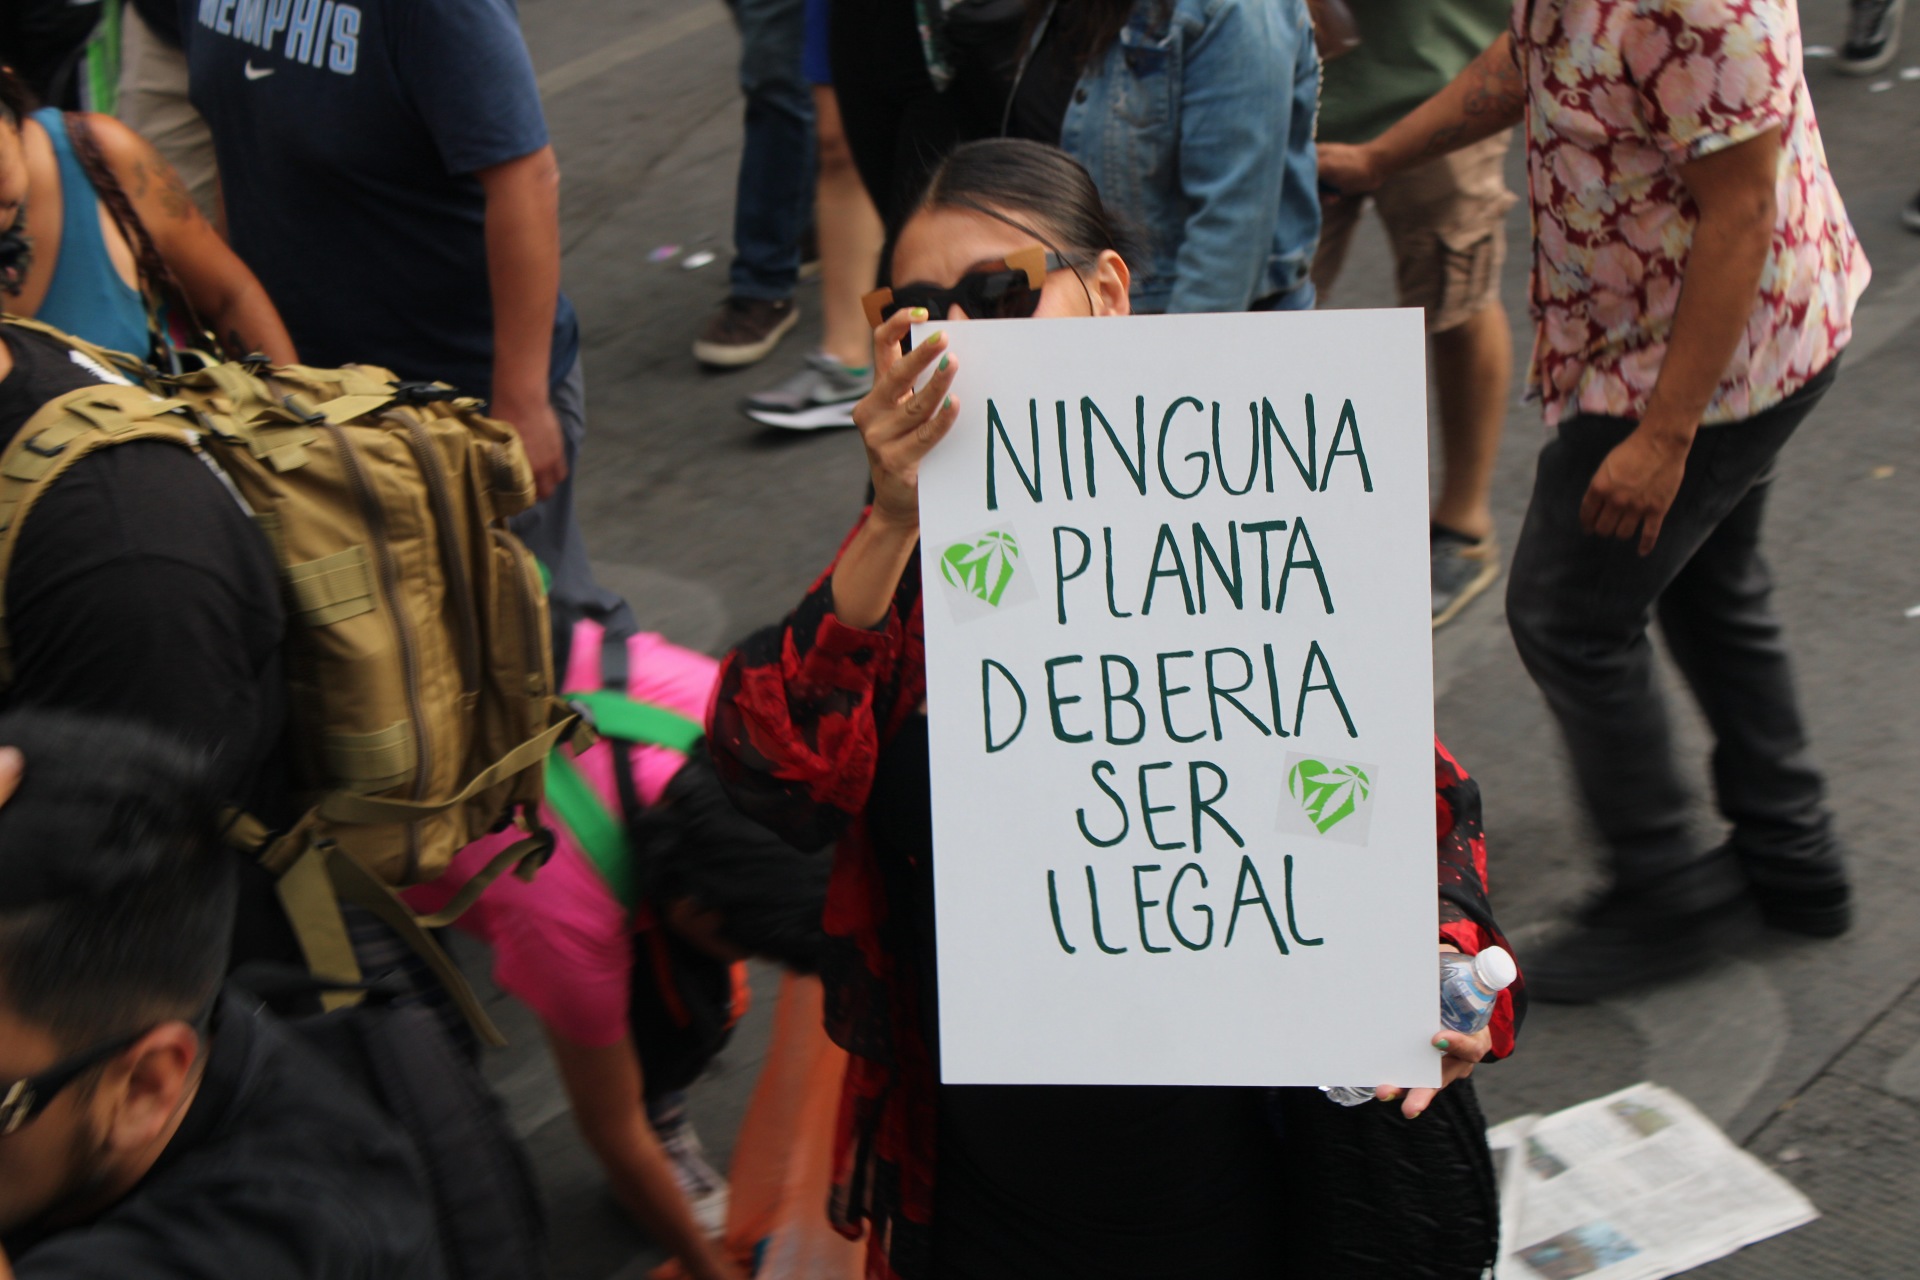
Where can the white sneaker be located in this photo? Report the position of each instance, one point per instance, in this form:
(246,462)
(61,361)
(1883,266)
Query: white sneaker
(707,1193)
(821,395)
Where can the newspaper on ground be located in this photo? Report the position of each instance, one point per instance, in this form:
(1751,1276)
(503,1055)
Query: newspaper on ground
(1633,1186)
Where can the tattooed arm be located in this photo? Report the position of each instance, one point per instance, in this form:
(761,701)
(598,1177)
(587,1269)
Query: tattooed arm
(228,297)
(1488,96)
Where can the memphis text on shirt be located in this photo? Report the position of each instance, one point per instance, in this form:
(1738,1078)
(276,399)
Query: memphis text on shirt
(319,33)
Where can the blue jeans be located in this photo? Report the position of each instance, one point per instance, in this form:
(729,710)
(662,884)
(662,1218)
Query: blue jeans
(551,530)
(1580,607)
(775,194)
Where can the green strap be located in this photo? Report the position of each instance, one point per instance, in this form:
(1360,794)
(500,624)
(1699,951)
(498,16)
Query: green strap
(615,715)
(601,836)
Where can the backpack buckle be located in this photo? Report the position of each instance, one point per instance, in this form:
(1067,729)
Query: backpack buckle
(415,393)
(297,405)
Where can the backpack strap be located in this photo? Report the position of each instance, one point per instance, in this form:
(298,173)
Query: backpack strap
(352,808)
(320,877)
(61,433)
(126,364)
(615,715)
(162,289)
(600,833)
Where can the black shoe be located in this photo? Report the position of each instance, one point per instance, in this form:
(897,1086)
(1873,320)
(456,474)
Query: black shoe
(1808,896)
(1873,36)
(1620,942)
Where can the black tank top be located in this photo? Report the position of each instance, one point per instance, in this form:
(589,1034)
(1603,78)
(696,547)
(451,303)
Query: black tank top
(43,370)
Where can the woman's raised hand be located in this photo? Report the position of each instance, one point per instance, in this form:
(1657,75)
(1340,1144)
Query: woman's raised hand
(898,424)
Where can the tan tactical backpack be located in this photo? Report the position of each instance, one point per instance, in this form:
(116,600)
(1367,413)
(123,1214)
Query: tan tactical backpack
(421,684)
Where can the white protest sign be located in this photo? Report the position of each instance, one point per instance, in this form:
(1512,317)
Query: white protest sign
(1180,699)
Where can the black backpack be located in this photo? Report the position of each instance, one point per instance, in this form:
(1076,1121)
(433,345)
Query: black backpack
(486,1203)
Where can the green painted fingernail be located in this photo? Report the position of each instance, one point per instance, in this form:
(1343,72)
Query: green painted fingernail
(1440,1045)
(947,403)
(943,362)
(919,313)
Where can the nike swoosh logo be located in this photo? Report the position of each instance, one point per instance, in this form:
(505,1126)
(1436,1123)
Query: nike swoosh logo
(257,73)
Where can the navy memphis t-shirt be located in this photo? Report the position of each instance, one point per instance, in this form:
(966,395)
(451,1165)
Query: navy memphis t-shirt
(348,136)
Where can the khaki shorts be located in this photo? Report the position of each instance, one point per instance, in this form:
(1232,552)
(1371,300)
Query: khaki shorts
(1446,220)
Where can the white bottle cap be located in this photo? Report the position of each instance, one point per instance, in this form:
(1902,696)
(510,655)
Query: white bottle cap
(1494,969)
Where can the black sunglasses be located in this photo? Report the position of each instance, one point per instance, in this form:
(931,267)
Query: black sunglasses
(1007,290)
(24,1099)
(27,1098)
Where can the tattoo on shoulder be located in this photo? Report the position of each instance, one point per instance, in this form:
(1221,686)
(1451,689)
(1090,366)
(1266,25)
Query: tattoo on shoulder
(175,200)
(150,170)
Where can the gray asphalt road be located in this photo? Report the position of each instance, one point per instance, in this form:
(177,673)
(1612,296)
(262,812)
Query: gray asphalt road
(712,526)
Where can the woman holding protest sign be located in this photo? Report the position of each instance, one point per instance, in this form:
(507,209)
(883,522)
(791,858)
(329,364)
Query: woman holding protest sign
(819,730)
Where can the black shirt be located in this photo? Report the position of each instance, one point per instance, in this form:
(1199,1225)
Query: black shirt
(1058,1182)
(142,588)
(1039,104)
(282,1170)
(349,137)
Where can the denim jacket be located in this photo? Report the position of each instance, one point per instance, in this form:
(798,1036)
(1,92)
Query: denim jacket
(1197,125)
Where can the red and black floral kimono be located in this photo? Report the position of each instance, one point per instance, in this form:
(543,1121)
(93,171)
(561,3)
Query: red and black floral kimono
(804,719)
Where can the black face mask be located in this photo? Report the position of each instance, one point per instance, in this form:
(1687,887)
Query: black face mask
(16,255)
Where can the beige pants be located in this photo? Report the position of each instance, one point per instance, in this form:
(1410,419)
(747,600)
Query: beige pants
(153,103)
(1446,220)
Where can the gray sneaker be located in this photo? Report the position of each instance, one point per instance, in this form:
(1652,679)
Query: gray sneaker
(1873,36)
(821,395)
(1462,569)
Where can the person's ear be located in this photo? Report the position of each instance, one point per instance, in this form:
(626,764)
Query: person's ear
(145,1089)
(1111,282)
(12,766)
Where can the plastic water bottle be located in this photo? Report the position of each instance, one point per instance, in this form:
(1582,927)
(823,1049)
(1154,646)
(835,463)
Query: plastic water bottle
(1469,985)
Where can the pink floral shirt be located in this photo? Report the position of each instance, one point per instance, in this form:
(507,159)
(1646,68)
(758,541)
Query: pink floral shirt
(1620,93)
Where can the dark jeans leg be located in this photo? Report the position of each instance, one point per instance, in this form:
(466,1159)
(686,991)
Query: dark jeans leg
(551,530)
(1719,624)
(1580,607)
(774,198)
(898,126)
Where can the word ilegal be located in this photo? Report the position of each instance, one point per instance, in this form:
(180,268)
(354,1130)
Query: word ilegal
(1190,925)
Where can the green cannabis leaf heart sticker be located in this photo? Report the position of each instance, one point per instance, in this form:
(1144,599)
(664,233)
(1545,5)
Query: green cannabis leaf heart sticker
(982,568)
(1329,796)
